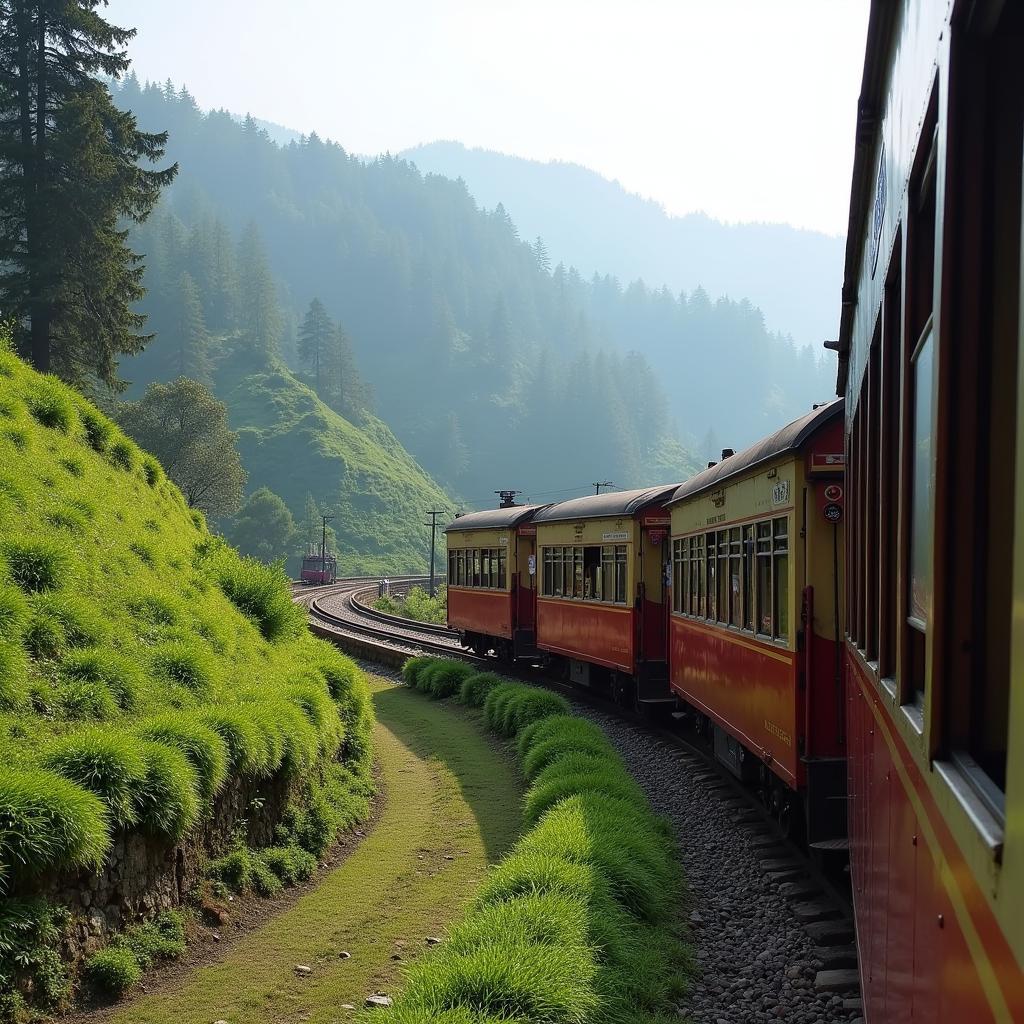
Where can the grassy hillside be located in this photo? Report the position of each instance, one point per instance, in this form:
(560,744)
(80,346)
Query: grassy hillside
(294,444)
(143,663)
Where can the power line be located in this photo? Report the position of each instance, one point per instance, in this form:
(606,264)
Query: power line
(598,484)
(433,513)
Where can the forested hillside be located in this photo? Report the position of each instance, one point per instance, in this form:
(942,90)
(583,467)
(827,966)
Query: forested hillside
(479,352)
(792,275)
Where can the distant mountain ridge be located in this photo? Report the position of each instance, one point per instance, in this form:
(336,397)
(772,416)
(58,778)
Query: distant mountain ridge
(792,275)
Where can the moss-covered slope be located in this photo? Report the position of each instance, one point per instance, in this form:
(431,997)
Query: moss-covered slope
(294,444)
(143,664)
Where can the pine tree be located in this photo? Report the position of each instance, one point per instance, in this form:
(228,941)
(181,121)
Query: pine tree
(259,316)
(191,354)
(69,278)
(540,254)
(346,392)
(316,335)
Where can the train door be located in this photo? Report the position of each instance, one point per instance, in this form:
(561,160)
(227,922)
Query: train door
(525,597)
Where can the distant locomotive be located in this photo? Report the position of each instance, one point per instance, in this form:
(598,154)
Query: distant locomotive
(319,570)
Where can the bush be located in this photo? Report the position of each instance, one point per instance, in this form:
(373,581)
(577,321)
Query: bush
(234,869)
(412,668)
(476,687)
(523,706)
(496,703)
(444,677)
(188,663)
(13,676)
(571,741)
(317,825)
(98,429)
(49,822)
(123,453)
(260,592)
(113,970)
(300,744)
(35,564)
(167,804)
(48,402)
(163,938)
(118,674)
(264,882)
(14,612)
(107,763)
(248,749)
(291,864)
(536,919)
(203,746)
(610,780)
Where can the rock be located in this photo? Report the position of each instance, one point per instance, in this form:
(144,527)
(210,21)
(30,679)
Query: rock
(220,1022)
(303,971)
(347,1006)
(344,955)
(432,940)
(215,936)
(396,956)
(378,1001)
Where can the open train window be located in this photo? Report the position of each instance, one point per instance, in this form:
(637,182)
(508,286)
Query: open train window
(697,575)
(711,580)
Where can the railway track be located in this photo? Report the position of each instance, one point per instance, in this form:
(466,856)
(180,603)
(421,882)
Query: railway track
(816,899)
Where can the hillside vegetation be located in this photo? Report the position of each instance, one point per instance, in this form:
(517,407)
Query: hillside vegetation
(295,444)
(143,666)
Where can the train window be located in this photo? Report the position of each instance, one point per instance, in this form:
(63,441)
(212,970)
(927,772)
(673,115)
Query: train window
(723,576)
(485,568)
(748,574)
(679,563)
(780,576)
(697,575)
(872,518)
(711,581)
(735,578)
(621,572)
(763,554)
(608,572)
(592,573)
(548,583)
(920,579)
(502,573)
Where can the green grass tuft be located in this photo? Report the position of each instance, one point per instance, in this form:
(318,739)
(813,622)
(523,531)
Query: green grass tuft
(412,668)
(35,563)
(123,453)
(13,676)
(49,822)
(189,663)
(98,429)
(475,688)
(118,673)
(81,622)
(85,700)
(167,804)
(261,592)
(48,403)
(205,749)
(152,469)
(443,678)
(105,762)
(248,748)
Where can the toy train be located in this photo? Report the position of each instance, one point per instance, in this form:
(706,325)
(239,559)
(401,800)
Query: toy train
(840,607)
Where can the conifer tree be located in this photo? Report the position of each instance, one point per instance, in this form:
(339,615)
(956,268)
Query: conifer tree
(540,254)
(316,335)
(68,276)
(346,392)
(191,354)
(259,316)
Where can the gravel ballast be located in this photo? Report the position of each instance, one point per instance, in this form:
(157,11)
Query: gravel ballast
(755,961)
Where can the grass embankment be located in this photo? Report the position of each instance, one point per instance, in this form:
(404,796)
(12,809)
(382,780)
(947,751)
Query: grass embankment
(417,604)
(293,443)
(449,811)
(579,922)
(143,664)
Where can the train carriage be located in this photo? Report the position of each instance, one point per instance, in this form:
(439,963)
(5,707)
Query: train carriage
(754,642)
(492,594)
(931,362)
(602,604)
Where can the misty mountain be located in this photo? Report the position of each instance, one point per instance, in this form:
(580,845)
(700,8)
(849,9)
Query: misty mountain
(594,224)
(493,367)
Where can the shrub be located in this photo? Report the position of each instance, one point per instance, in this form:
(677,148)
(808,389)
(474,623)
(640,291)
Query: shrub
(247,744)
(153,470)
(261,592)
(496,702)
(49,822)
(264,881)
(291,864)
(536,919)
(570,740)
(107,763)
(526,873)
(83,700)
(35,564)
(204,748)
(187,662)
(412,668)
(525,705)
(113,970)
(234,869)
(163,938)
(123,453)
(48,402)
(476,687)
(167,804)
(98,429)
(13,676)
(610,780)
(119,674)
(317,825)
(444,677)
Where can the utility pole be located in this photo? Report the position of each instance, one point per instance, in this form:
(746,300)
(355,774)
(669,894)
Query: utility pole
(433,513)
(603,483)
(323,539)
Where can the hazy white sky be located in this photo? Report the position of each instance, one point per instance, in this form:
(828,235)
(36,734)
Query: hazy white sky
(742,108)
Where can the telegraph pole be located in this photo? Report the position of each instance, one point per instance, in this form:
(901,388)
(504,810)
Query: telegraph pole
(323,539)
(433,513)
(603,483)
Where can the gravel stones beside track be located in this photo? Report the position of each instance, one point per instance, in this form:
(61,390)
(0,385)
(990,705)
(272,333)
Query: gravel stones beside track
(756,963)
